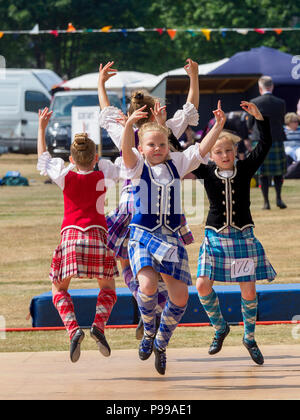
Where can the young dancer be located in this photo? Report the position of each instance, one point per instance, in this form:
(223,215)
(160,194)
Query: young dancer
(230,252)
(154,247)
(83,250)
(119,219)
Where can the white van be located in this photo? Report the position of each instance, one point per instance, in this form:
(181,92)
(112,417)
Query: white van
(22,93)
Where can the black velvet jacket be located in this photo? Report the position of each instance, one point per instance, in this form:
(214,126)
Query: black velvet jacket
(229,198)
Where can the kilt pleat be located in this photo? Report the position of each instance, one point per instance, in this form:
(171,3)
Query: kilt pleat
(83,255)
(144,252)
(220,249)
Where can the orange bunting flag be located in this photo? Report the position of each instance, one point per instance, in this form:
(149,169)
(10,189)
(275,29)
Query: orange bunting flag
(1,34)
(206,32)
(71,28)
(106,28)
(172,33)
(278,31)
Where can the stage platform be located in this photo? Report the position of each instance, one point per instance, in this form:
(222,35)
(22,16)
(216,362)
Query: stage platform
(276,302)
(191,375)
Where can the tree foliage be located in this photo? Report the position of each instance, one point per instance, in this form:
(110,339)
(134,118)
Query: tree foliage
(75,54)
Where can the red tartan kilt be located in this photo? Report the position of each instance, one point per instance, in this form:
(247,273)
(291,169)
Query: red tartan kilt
(83,255)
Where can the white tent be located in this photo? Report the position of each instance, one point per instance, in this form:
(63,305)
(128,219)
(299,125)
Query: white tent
(122,82)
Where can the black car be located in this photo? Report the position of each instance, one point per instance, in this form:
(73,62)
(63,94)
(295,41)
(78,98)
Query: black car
(58,133)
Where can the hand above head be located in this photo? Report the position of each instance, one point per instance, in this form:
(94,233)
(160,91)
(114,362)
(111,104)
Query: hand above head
(106,72)
(191,68)
(137,115)
(122,119)
(252,109)
(159,113)
(44,117)
(220,116)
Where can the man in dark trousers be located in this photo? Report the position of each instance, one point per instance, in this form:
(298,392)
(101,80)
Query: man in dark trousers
(275,162)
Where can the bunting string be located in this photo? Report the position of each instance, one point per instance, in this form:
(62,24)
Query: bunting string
(171,32)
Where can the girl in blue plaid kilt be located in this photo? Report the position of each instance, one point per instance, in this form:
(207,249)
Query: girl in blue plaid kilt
(154,247)
(119,219)
(230,252)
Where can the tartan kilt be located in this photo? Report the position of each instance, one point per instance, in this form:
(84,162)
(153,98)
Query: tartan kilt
(118,226)
(147,249)
(220,249)
(275,162)
(83,255)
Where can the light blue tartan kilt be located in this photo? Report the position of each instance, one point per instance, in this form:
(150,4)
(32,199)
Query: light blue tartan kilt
(143,246)
(219,249)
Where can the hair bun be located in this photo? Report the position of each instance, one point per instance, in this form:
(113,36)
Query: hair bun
(80,141)
(138,96)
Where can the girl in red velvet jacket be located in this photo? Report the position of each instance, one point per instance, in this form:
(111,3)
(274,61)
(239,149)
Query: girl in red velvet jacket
(83,251)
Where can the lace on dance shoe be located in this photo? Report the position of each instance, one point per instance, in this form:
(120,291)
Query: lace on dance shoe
(254,352)
(160,360)
(146,346)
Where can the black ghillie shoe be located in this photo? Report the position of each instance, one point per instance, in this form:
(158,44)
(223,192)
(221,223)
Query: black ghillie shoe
(254,352)
(146,347)
(100,339)
(217,343)
(75,345)
(139,332)
(160,360)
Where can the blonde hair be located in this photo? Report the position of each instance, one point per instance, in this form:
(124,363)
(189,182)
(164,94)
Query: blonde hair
(83,150)
(290,117)
(229,136)
(138,99)
(152,126)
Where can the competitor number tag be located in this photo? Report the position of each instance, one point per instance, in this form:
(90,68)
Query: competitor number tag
(242,267)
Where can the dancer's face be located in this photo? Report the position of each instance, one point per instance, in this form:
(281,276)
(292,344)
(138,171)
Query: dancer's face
(154,147)
(223,154)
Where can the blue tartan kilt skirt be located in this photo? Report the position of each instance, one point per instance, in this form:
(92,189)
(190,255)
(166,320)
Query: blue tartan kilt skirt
(118,222)
(148,249)
(220,250)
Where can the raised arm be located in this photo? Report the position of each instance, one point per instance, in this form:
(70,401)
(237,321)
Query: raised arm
(212,136)
(44,117)
(193,72)
(105,73)
(127,140)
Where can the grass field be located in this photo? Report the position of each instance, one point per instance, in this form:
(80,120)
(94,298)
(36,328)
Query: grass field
(30,219)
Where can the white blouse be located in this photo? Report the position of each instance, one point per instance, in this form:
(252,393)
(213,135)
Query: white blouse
(178,124)
(56,170)
(185,162)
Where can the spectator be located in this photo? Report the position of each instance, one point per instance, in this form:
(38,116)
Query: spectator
(292,132)
(274,164)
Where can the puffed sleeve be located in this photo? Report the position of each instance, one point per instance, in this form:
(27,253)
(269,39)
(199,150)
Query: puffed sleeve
(54,168)
(188,115)
(107,120)
(110,170)
(188,160)
(133,173)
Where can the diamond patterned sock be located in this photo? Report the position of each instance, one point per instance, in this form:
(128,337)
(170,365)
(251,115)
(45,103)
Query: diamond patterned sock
(64,305)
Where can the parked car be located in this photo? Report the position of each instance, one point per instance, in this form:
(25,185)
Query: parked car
(22,93)
(58,133)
